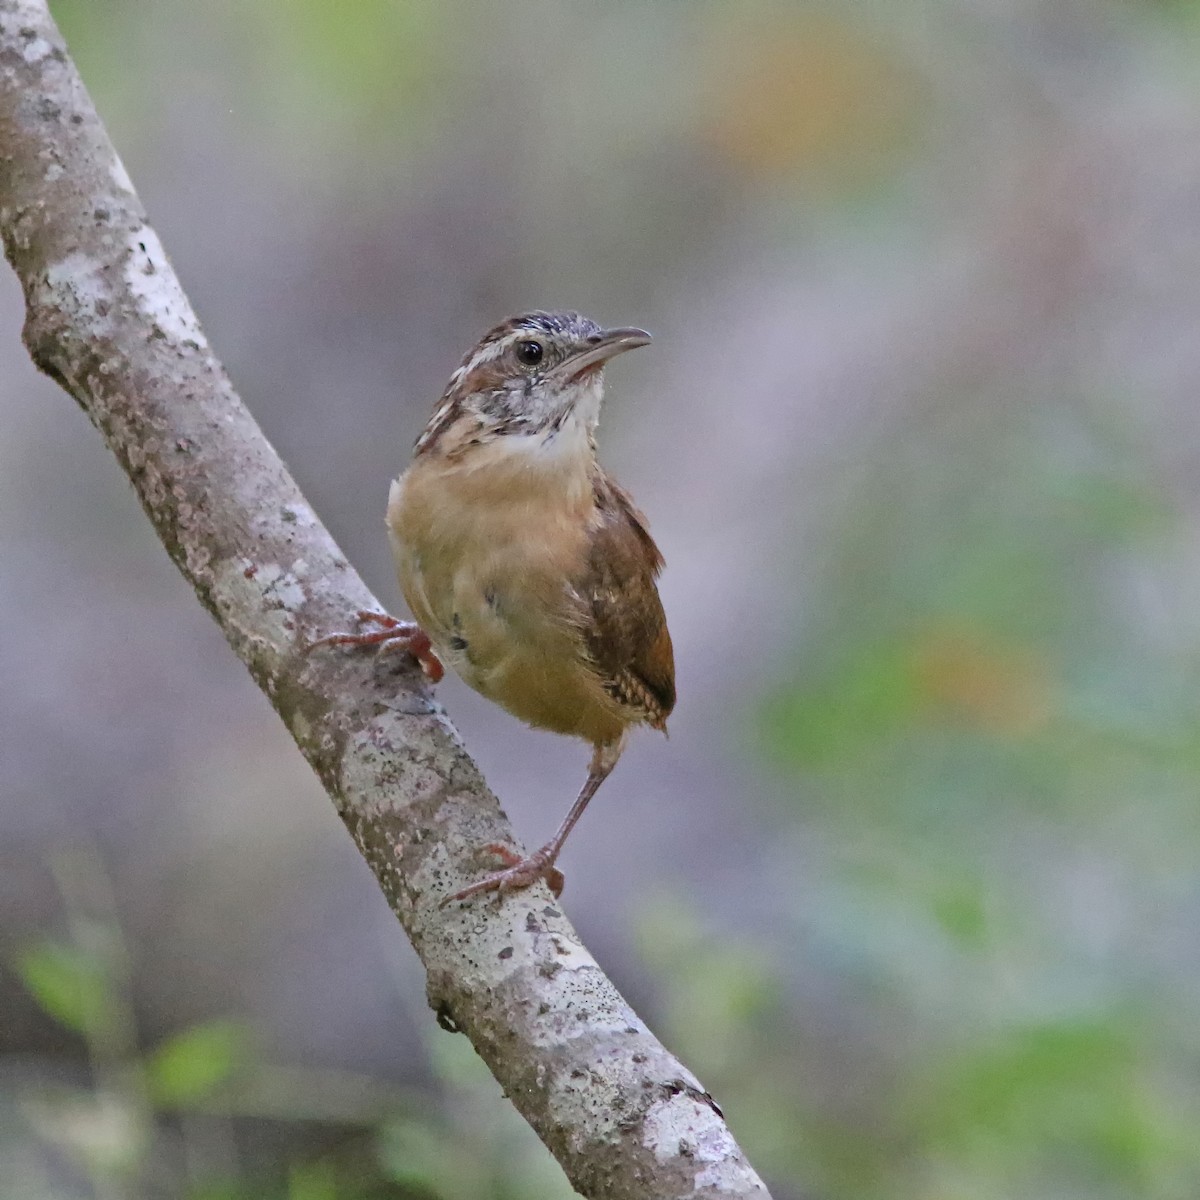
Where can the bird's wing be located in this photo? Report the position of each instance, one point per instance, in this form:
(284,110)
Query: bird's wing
(625,628)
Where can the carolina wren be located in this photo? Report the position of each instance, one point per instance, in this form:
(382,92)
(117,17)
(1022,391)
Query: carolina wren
(528,568)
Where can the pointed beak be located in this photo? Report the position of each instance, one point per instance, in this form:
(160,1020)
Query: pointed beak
(600,348)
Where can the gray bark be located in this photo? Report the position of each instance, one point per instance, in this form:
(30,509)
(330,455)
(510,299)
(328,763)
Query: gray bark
(107,319)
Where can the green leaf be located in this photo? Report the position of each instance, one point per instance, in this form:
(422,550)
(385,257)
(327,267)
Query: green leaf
(220,1189)
(425,1158)
(312,1181)
(872,696)
(192,1064)
(68,984)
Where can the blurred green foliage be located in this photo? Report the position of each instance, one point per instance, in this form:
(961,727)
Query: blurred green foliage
(163,1118)
(980,726)
(68,984)
(193,1064)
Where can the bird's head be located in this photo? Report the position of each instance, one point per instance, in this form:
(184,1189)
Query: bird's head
(530,375)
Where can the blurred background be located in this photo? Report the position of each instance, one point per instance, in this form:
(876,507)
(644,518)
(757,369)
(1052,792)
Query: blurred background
(913,886)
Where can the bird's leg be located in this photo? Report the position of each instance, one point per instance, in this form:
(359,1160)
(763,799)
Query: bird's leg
(404,634)
(521,872)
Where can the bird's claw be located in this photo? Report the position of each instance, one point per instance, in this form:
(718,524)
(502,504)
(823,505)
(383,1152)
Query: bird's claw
(404,634)
(519,872)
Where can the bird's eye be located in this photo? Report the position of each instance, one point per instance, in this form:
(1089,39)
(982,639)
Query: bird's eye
(530,353)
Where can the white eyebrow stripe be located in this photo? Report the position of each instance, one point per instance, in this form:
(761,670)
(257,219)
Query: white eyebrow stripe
(492,350)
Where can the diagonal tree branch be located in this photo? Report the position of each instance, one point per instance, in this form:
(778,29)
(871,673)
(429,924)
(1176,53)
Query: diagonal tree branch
(107,319)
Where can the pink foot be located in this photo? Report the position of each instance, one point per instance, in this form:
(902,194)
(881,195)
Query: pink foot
(518,873)
(391,632)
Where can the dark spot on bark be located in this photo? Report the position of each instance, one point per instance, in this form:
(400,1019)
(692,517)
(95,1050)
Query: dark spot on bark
(680,1087)
(48,110)
(531,924)
(458,643)
(639,1058)
(288,516)
(507,952)
(456,621)
(548,970)
(550,912)
(76,119)
(101,214)
(489,598)
(445,1019)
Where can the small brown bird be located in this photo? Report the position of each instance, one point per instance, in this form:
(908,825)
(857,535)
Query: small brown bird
(527,566)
